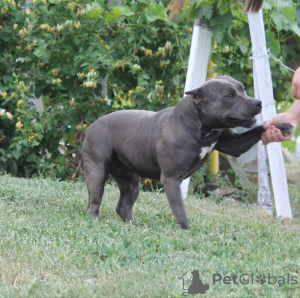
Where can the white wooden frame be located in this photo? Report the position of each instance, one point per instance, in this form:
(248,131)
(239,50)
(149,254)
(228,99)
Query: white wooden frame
(197,68)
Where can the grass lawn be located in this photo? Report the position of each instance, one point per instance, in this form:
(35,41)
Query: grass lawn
(50,248)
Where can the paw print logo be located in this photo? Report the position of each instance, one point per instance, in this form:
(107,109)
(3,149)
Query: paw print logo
(261,279)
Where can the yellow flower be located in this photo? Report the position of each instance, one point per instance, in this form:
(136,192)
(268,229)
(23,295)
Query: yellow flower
(13,95)
(23,31)
(8,1)
(45,27)
(95,85)
(117,64)
(77,25)
(168,46)
(29,48)
(2,112)
(3,10)
(20,103)
(22,86)
(19,124)
(55,71)
(107,47)
(148,52)
(80,74)
(27,11)
(72,102)
(30,138)
(16,26)
(42,64)
(148,181)
(1,27)
(14,4)
(30,26)
(4,94)
(84,125)
(92,70)
(89,84)
(56,81)
(130,92)
(71,6)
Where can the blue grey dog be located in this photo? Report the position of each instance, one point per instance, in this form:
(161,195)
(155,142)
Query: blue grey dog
(169,145)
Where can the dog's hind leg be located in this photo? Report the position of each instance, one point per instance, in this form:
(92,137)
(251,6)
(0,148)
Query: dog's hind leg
(129,185)
(96,176)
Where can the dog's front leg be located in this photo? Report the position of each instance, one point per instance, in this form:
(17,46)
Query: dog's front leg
(173,193)
(233,143)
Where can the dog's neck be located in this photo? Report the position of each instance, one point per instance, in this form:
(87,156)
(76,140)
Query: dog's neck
(194,119)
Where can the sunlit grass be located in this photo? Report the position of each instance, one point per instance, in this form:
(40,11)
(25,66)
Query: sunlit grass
(50,247)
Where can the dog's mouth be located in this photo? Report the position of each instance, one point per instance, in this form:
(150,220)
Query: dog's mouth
(242,122)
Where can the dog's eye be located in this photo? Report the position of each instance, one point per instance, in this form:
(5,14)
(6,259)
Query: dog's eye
(229,96)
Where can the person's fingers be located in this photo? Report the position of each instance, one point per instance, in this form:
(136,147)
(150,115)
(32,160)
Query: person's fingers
(264,139)
(273,134)
(267,136)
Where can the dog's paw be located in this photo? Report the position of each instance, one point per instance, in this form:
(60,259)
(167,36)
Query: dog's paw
(184,225)
(285,128)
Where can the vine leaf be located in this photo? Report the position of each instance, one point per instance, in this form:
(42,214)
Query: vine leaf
(154,13)
(118,11)
(94,9)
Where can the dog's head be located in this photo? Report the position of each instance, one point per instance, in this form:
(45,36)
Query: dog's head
(223,103)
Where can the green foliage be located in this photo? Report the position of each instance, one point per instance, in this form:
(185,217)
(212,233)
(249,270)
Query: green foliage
(83,61)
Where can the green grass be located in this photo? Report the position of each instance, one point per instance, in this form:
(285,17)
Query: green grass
(50,248)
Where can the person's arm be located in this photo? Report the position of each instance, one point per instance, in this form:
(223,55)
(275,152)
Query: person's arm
(296,84)
(292,115)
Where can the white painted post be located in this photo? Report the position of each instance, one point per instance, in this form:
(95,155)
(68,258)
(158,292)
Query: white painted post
(264,88)
(264,196)
(197,68)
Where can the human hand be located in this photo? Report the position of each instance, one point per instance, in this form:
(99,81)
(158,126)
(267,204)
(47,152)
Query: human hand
(272,133)
(292,116)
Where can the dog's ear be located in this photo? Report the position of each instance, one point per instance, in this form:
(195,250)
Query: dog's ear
(197,94)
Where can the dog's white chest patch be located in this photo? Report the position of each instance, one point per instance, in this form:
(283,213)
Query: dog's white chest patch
(206,150)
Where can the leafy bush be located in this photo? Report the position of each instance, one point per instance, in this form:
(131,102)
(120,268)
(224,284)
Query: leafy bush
(83,62)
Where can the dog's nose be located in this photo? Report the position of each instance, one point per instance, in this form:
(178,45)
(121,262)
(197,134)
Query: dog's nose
(258,104)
